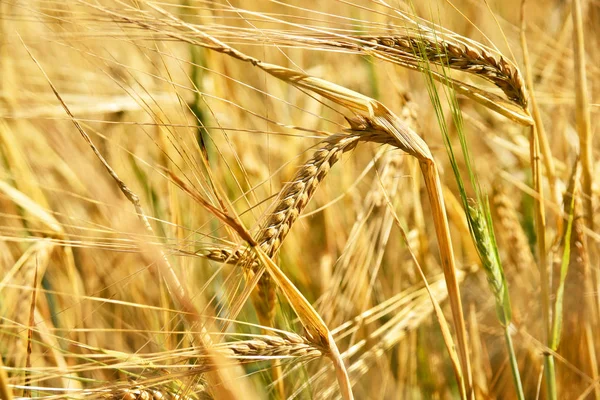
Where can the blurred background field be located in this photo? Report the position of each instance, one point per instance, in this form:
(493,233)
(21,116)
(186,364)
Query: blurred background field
(85,308)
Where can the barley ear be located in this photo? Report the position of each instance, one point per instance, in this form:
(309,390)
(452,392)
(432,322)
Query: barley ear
(490,261)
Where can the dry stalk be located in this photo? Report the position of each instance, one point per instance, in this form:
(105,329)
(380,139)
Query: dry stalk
(582,113)
(538,130)
(6,392)
(479,372)
(579,263)
(540,219)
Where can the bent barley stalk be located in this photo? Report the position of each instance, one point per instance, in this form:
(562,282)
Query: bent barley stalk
(575,314)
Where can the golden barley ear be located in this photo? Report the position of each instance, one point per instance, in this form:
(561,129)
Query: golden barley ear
(422,48)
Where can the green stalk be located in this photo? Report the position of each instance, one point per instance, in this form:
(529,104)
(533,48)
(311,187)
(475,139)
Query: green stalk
(478,214)
(481,227)
(556,330)
(514,367)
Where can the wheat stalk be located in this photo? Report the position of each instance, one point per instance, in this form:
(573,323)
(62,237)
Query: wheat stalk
(535,150)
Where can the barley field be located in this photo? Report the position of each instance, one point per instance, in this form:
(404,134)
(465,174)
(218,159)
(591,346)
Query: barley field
(284,199)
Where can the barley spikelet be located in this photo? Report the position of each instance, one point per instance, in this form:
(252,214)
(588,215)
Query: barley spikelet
(154,393)
(228,255)
(144,394)
(289,345)
(168,389)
